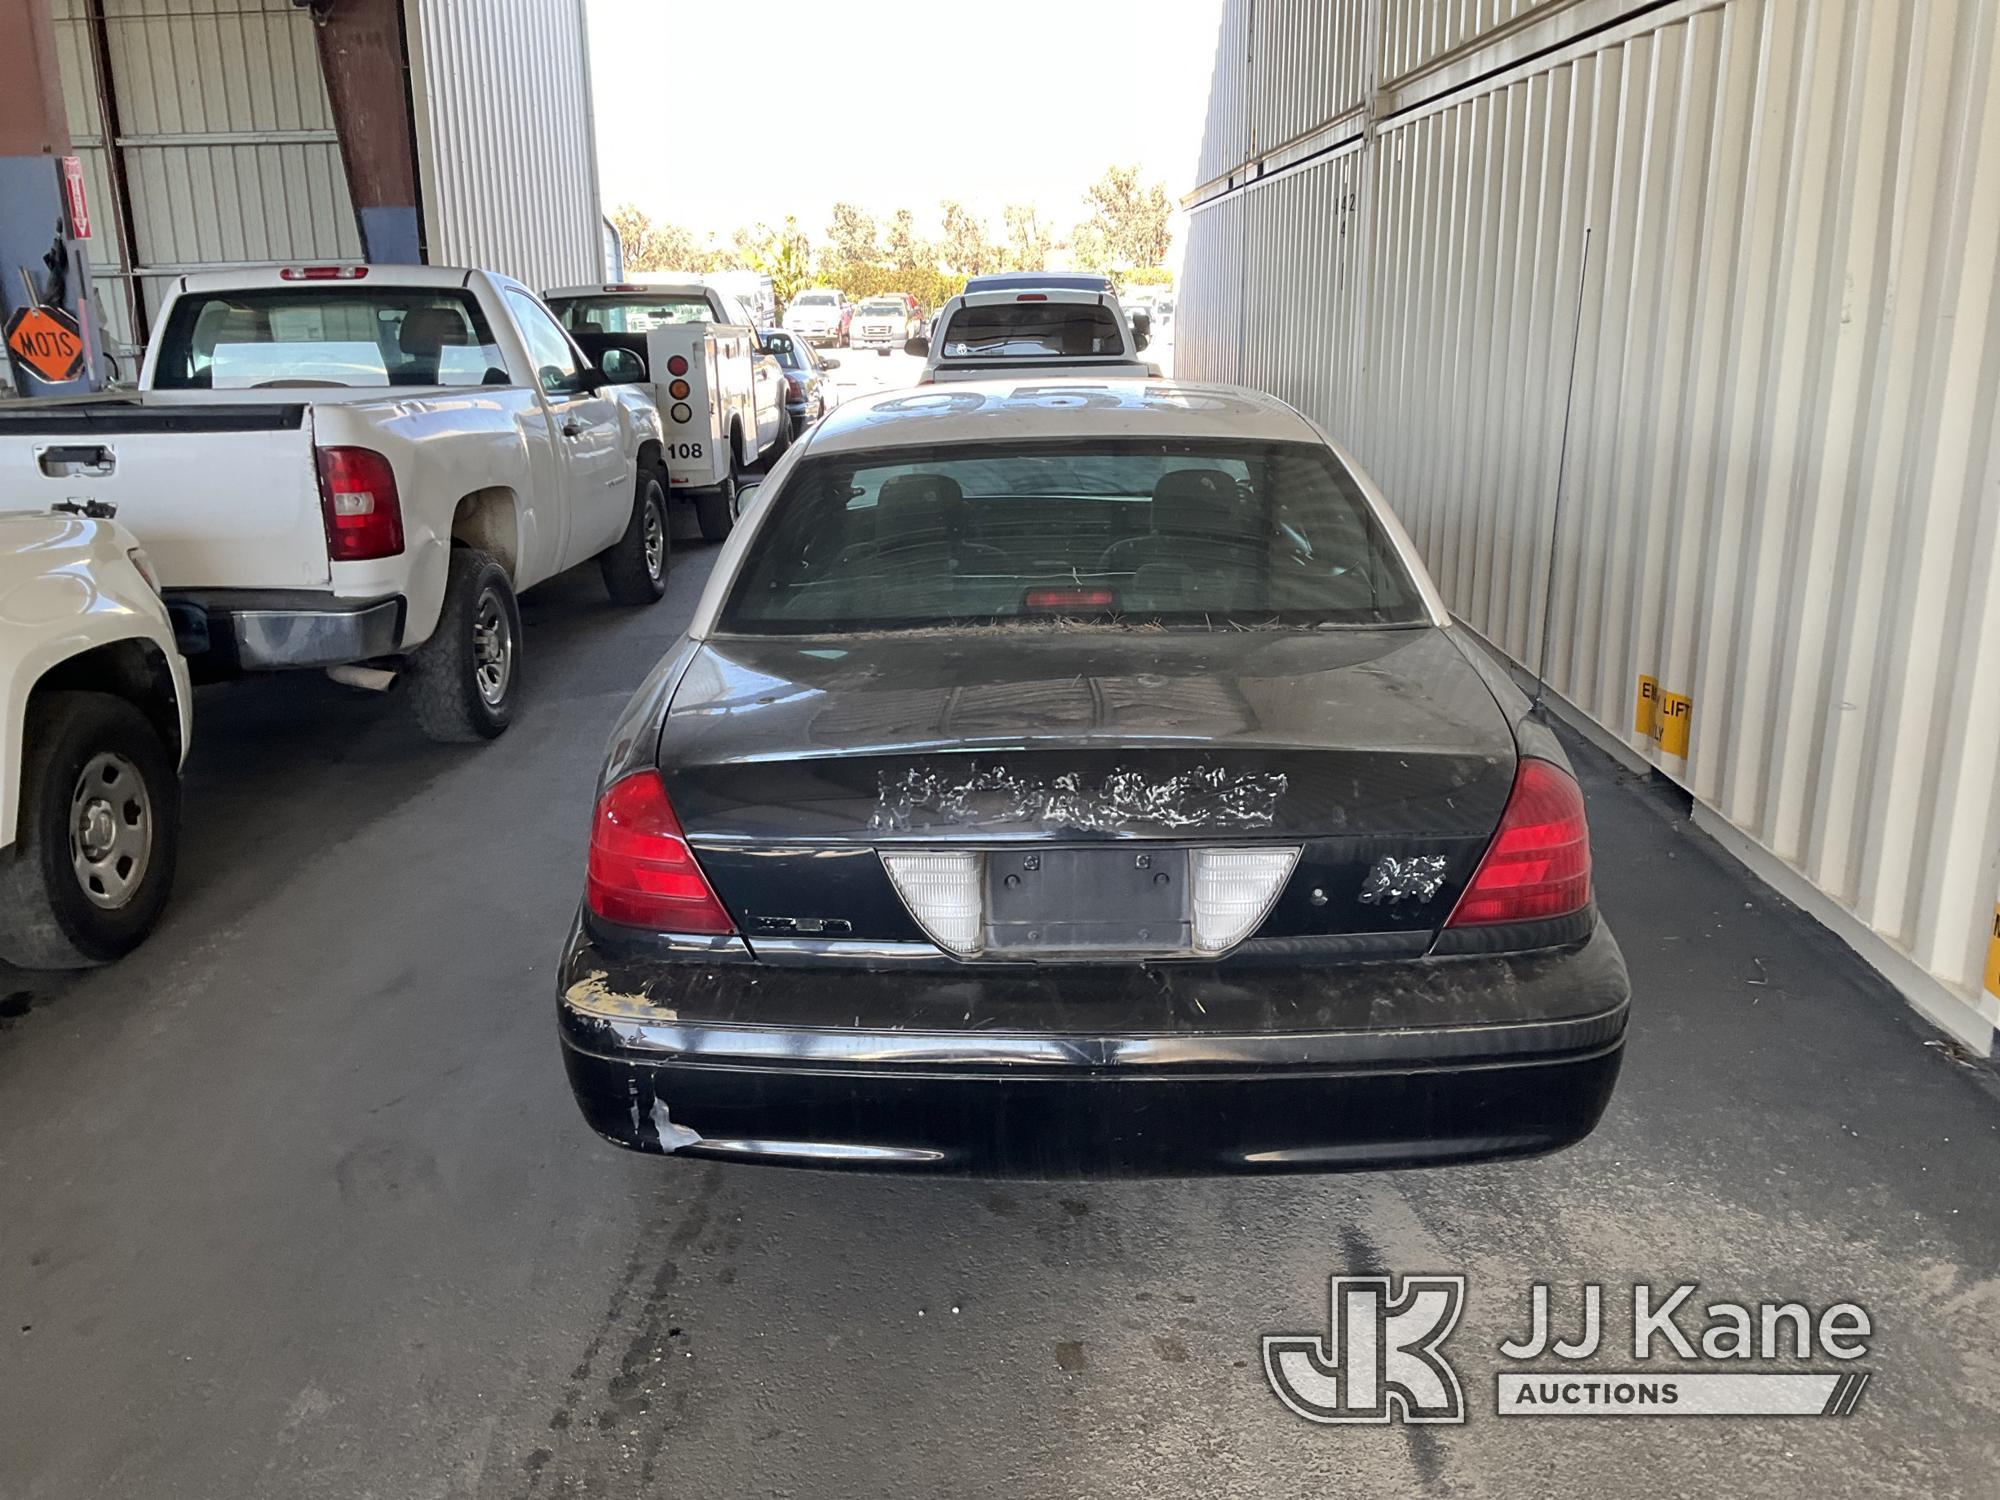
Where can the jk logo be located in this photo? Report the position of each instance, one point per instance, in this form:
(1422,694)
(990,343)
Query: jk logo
(1381,1362)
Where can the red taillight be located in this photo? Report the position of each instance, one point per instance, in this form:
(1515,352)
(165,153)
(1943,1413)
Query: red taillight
(1069,599)
(323,273)
(677,364)
(795,388)
(1538,865)
(357,493)
(642,873)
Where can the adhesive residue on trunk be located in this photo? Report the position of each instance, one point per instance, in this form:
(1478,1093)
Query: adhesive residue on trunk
(1125,801)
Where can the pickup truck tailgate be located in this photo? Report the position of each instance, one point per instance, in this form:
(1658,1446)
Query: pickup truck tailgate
(221,496)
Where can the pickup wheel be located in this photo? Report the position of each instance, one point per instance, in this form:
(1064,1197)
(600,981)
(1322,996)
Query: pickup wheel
(635,566)
(465,678)
(715,509)
(99,829)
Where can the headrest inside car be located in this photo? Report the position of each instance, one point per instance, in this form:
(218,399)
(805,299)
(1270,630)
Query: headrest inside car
(426,330)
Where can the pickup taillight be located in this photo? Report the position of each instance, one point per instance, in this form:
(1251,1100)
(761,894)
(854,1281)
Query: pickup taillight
(357,494)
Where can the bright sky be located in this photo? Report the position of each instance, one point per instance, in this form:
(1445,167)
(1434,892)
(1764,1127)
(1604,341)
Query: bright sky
(987,101)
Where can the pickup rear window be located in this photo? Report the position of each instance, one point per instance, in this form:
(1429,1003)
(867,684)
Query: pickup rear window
(1209,535)
(631,314)
(327,335)
(1032,330)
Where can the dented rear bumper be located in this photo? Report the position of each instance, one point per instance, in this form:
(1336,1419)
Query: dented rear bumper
(902,1062)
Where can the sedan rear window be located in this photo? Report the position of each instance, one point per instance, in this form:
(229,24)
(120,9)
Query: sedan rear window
(1117,532)
(1032,329)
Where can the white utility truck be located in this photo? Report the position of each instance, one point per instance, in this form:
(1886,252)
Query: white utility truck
(94,717)
(721,398)
(357,468)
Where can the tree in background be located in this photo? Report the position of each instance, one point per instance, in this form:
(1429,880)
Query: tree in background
(785,257)
(1028,242)
(902,248)
(1090,248)
(1125,234)
(965,247)
(851,237)
(1131,219)
(653,246)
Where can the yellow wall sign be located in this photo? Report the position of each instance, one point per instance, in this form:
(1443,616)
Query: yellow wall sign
(1644,711)
(1993,957)
(1663,717)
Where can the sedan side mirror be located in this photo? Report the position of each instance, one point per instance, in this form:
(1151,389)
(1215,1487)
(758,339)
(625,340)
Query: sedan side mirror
(622,366)
(918,345)
(829,364)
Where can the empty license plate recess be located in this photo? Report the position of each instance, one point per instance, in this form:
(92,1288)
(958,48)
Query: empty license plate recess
(1089,901)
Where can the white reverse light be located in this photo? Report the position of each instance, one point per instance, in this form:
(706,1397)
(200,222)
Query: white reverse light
(942,890)
(1233,888)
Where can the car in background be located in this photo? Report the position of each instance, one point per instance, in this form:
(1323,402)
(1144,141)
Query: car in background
(809,388)
(885,324)
(819,314)
(95,713)
(1053,331)
(1084,777)
(754,289)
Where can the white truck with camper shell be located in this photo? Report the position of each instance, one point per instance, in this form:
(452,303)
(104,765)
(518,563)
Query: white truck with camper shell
(357,468)
(993,332)
(721,397)
(95,714)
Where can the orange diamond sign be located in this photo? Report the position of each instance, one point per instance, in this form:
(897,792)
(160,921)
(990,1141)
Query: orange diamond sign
(46,342)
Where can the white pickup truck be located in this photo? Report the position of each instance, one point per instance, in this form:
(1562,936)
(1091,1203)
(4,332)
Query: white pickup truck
(94,719)
(359,467)
(721,397)
(1042,330)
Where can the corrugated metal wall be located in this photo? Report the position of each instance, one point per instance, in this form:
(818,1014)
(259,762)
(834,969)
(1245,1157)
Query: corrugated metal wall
(505,143)
(227,141)
(225,136)
(1783,485)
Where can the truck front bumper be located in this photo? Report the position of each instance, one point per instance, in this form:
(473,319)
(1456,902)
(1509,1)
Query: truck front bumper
(230,630)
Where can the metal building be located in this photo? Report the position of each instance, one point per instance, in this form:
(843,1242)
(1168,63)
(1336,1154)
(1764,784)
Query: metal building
(209,138)
(1777,571)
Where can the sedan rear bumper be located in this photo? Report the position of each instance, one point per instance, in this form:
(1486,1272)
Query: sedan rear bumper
(688,1057)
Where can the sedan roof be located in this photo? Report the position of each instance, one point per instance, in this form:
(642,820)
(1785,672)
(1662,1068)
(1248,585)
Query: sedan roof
(1026,408)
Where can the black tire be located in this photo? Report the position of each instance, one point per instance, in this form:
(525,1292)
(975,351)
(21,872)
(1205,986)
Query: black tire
(883,351)
(93,766)
(635,566)
(465,680)
(779,443)
(715,510)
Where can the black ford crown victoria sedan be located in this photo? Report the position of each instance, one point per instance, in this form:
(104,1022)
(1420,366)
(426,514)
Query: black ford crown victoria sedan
(1084,778)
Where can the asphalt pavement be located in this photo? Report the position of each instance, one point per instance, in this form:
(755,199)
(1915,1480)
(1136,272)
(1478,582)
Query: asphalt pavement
(295,1201)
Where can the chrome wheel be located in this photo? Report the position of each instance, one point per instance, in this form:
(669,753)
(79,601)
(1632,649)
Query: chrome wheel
(492,648)
(110,830)
(656,539)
